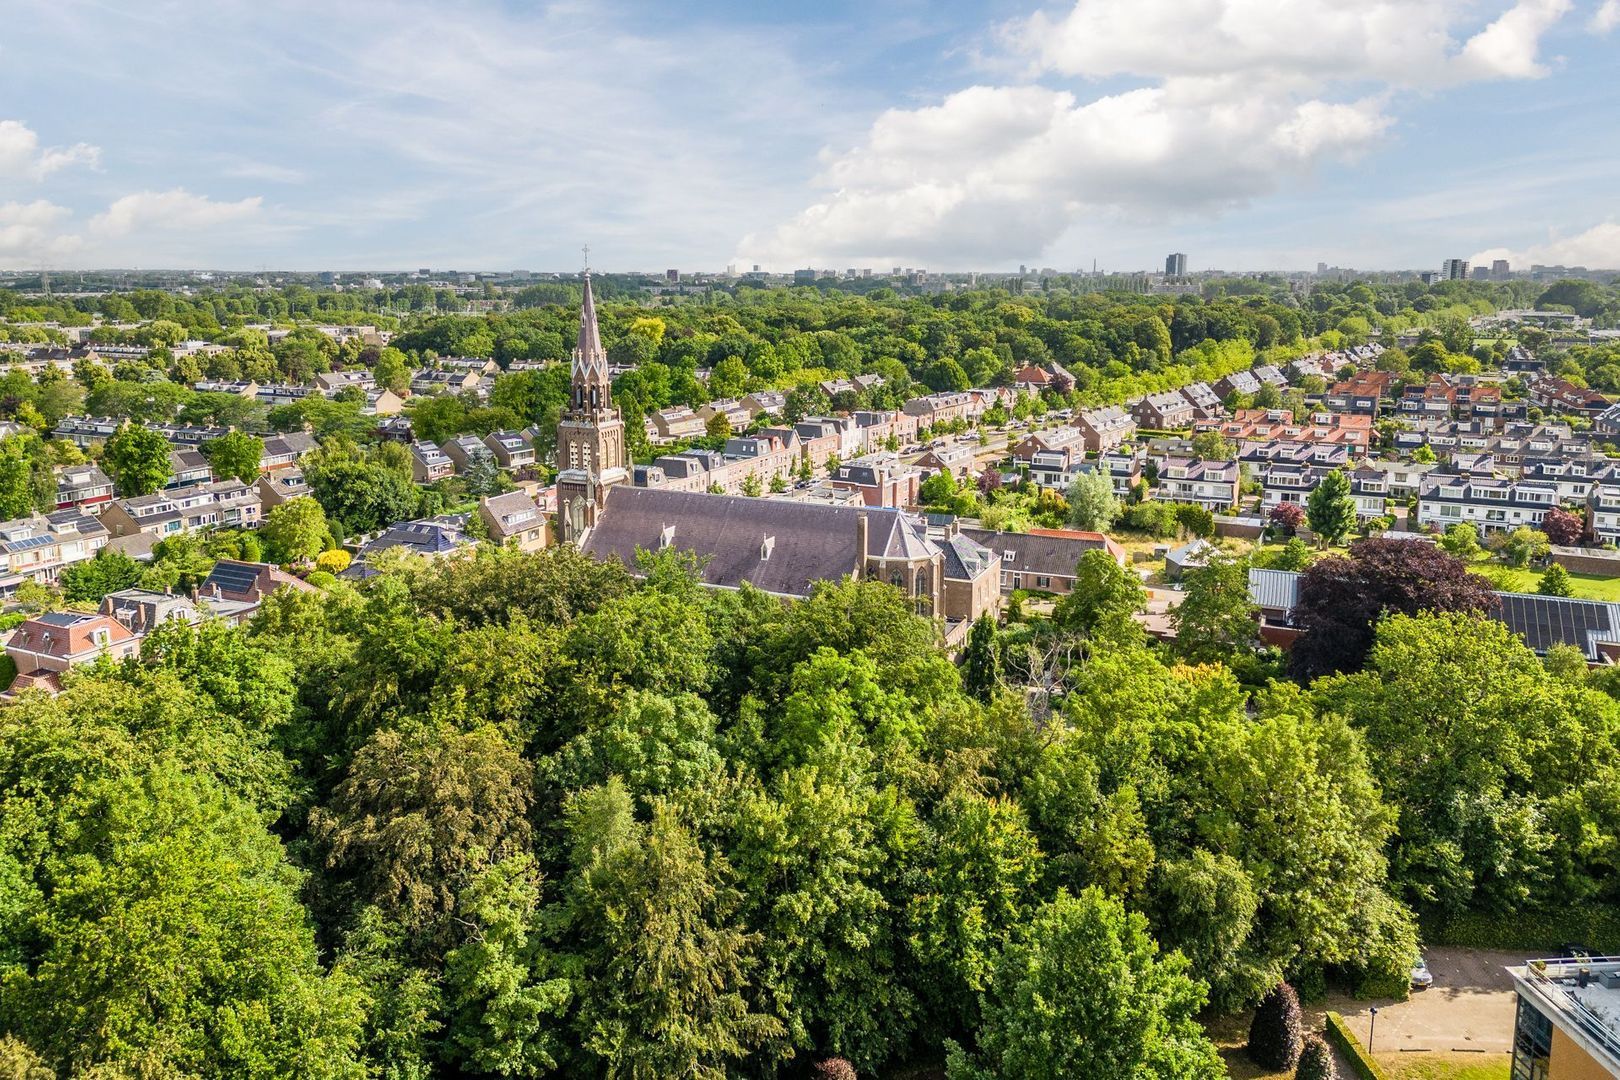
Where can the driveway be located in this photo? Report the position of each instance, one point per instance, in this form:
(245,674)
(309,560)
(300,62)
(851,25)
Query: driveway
(1470,1007)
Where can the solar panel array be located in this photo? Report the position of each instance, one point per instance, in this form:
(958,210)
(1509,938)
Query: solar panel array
(232,577)
(1545,621)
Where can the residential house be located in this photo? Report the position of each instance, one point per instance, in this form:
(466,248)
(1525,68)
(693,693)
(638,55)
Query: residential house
(433,537)
(58,641)
(1122,464)
(37,547)
(431,381)
(188,467)
(429,464)
(1168,411)
(1105,428)
(1042,560)
(142,610)
(1203,398)
(676,423)
(1211,484)
(1561,395)
(281,486)
(950,457)
(1067,442)
(879,479)
(1362,393)
(935,409)
(83,486)
(1239,382)
(515,519)
(765,402)
(222,504)
(234,589)
(737,413)
(330,382)
(1603,512)
(1490,504)
(466,451)
(286,450)
(513,450)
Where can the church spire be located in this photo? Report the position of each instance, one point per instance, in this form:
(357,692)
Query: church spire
(589,345)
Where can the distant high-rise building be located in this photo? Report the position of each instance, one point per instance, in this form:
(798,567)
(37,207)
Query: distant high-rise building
(1455,269)
(1022,269)
(672,275)
(1175,265)
(1500,271)
(1321,269)
(1480,273)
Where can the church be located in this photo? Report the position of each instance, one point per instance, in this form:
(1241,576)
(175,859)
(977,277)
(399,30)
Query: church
(781,546)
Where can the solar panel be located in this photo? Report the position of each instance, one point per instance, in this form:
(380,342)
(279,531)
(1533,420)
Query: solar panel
(233,577)
(1545,621)
(31,542)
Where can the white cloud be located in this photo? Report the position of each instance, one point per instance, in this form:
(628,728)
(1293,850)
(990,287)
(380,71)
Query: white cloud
(1597,248)
(1400,42)
(22,158)
(1243,97)
(1607,17)
(28,233)
(177,210)
(264,170)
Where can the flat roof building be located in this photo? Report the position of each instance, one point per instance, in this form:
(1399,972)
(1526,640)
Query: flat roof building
(1568,1021)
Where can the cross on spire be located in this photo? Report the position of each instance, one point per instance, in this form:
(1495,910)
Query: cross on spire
(587,250)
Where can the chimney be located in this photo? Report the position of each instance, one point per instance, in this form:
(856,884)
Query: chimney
(862,528)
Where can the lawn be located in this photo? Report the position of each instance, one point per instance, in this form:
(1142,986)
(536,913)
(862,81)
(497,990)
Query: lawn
(1445,1066)
(1584,586)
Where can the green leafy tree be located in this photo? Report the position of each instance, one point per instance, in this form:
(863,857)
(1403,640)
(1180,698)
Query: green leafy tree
(504,994)
(669,969)
(1555,581)
(981,666)
(1329,510)
(90,580)
(1085,993)
(1522,546)
(1104,601)
(237,454)
(1092,503)
(1216,615)
(137,460)
(1316,1061)
(1462,540)
(295,531)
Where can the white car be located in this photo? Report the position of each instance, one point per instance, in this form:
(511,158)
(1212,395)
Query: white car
(1422,979)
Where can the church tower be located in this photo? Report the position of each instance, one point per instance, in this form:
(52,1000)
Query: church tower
(590,433)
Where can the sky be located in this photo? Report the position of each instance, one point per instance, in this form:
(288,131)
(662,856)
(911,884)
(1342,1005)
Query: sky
(489,135)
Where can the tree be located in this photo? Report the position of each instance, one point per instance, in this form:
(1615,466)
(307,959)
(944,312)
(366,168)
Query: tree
(90,580)
(295,531)
(1555,581)
(1092,503)
(1085,993)
(1462,540)
(1216,615)
(1198,521)
(1522,546)
(982,663)
(484,477)
(1103,602)
(137,460)
(1315,1061)
(1423,455)
(1562,527)
(718,427)
(1329,510)
(1276,1031)
(667,967)
(1288,516)
(236,453)
(1213,446)
(751,486)
(1341,598)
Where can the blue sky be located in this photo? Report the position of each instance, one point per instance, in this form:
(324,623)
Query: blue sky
(969,135)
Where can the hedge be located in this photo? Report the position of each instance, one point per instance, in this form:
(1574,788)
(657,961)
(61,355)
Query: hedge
(1361,1062)
(1596,927)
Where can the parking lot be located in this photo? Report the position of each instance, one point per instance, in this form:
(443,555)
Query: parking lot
(1468,1009)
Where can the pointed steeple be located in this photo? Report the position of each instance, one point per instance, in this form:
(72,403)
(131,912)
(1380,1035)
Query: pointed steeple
(590,340)
(590,362)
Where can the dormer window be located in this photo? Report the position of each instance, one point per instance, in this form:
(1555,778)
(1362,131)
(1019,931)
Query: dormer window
(666,537)
(766,546)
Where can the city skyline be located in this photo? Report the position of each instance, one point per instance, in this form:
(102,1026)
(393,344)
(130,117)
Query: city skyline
(968,136)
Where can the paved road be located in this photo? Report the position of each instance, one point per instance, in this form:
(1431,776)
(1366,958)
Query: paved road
(1469,1007)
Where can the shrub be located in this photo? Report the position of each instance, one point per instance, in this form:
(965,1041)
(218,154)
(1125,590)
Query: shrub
(1197,520)
(1315,1061)
(1274,1034)
(1288,516)
(832,1068)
